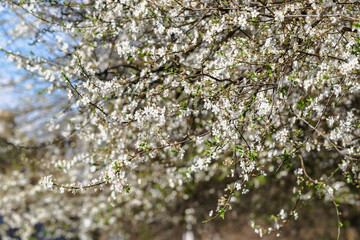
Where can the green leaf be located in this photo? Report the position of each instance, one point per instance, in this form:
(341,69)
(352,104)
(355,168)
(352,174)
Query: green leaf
(222,213)
(268,66)
(116,166)
(301,105)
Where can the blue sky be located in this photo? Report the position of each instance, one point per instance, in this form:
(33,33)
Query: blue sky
(9,96)
(13,95)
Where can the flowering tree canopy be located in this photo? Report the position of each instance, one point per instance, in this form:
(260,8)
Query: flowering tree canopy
(162,102)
